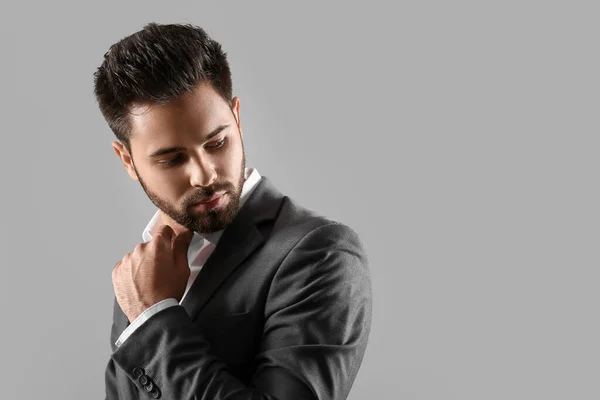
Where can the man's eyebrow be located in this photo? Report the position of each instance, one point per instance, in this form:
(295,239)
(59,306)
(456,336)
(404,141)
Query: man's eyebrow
(173,149)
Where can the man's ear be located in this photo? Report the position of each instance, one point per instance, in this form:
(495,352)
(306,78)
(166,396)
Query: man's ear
(125,158)
(235,109)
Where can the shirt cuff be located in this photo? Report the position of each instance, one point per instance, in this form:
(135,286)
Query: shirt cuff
(143,317)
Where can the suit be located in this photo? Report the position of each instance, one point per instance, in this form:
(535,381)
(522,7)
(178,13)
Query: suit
(281,310)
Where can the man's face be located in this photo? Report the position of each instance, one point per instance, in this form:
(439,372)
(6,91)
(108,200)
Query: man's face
(206,158)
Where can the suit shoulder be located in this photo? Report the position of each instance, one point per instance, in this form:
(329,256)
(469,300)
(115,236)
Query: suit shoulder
(308,227)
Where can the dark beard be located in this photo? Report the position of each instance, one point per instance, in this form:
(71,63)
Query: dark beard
(208,221)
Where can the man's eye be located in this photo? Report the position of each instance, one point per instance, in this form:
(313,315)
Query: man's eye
(172,161)
(179,158)
(218,145)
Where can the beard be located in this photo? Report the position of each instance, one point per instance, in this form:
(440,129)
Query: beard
(203,221)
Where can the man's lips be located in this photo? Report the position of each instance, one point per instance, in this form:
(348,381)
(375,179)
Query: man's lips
(209,203)
(205,200)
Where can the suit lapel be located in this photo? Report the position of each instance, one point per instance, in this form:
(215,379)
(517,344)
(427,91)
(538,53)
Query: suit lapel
(238,241)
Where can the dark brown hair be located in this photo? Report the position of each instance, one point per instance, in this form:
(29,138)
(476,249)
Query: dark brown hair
(155,65)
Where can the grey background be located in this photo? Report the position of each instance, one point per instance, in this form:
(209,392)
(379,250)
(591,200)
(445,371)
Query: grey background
(460,139)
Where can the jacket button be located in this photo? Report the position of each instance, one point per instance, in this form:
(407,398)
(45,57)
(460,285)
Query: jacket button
(137,372)
(143,379)
(149,387)
(155,393)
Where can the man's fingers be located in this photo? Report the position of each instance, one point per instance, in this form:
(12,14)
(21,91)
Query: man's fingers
(114,271)
(164,232)
(181,243)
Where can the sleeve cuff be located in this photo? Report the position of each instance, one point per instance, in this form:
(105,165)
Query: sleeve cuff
(143,317)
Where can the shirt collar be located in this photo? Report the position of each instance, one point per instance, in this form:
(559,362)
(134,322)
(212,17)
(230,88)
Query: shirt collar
(252,177)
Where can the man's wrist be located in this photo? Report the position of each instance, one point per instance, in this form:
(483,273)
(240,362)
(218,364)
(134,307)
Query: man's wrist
(144,316)
(134,313)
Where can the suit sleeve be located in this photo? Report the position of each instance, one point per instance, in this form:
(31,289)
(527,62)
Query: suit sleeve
(110,378)
(317,323)
(110,381)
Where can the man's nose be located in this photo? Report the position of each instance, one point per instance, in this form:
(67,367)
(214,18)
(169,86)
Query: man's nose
(204,173)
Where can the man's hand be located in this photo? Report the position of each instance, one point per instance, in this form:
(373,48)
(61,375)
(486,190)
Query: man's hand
(164,219)
(154,271)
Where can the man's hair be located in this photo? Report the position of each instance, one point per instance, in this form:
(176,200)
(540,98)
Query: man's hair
(156,65)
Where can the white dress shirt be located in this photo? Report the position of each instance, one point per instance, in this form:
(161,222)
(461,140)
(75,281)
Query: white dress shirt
(201,246)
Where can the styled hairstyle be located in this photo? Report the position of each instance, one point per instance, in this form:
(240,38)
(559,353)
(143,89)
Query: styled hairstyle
(156,65)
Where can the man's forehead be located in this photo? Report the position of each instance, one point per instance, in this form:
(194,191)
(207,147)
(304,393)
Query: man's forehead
(156,118)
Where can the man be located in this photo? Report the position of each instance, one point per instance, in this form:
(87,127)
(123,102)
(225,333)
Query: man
(237,291)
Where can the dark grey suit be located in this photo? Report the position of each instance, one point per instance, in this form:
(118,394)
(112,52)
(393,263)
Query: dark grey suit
(280,310)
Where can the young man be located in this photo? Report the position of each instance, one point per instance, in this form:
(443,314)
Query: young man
(237,291)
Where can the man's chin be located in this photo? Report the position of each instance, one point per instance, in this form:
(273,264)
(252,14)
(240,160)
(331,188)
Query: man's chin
(213,221)
(210,227)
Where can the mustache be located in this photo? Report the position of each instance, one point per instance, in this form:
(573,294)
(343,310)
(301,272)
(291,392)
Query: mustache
(210,191)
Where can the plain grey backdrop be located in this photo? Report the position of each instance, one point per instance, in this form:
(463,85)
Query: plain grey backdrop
(459,138)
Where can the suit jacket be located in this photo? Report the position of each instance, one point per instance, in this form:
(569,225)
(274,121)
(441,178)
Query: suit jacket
(280,310)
